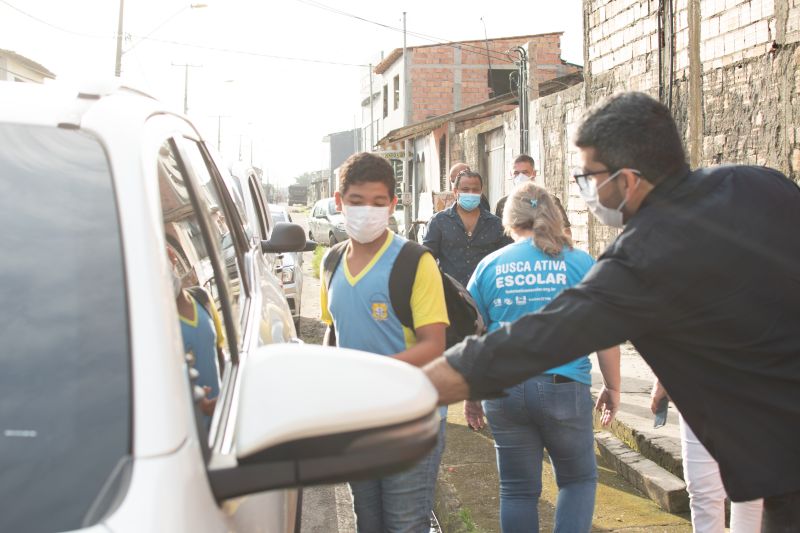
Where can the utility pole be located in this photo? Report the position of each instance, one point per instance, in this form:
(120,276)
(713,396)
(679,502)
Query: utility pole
(406,143)
(523,98)
(118,66)
(371,117)
(488,58)
(185,84)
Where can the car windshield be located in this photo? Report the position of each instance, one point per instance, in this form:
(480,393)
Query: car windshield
(332,207)
(65,414)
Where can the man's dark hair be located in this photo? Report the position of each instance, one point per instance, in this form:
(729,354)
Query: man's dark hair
(467,174)
(525,158)
(632,130)
(365,167)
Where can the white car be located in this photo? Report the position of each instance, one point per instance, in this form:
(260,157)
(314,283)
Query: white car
(107,218)
(290,268)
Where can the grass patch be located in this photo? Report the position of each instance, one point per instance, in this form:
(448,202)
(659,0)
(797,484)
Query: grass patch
(466,518)
(316,261)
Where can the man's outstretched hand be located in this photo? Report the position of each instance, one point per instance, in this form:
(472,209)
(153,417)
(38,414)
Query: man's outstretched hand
(450,385)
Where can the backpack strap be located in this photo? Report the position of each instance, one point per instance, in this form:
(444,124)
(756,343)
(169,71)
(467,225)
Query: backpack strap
(201,297)
(401,281)
(332,260)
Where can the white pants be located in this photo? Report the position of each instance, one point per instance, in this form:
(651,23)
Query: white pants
(707,495)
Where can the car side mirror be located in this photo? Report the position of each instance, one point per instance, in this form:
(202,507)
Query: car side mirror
(310,246)
(377,417)
(285,237)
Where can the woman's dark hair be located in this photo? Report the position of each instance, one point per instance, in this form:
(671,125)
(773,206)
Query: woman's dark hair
(467,174)
(365,167)
(632,130)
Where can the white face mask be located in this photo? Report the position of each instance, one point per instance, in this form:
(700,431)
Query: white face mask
(606,215)
(365,223)
(176,284)
(520,178)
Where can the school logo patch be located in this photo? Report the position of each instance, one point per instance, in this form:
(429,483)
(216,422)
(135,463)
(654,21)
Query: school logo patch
(380,310)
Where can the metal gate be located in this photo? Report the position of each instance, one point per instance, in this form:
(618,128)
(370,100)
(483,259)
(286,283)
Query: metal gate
(494,166)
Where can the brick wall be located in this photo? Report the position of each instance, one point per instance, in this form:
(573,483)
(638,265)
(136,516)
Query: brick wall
(445,78)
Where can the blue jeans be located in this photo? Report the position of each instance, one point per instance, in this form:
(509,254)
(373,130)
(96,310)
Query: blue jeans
(539,414)
(401,503)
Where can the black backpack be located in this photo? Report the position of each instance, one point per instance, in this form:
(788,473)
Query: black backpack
(465,319)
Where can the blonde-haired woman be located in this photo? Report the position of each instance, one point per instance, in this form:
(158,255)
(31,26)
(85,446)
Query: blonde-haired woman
(551,411)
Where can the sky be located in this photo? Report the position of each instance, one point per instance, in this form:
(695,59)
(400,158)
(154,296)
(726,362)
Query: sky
(275,75)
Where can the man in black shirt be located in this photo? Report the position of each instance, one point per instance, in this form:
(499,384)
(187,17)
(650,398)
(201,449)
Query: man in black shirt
(704,281)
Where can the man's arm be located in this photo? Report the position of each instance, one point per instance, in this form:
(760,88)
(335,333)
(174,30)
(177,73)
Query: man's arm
(608,399)
(610,306)
(433,237)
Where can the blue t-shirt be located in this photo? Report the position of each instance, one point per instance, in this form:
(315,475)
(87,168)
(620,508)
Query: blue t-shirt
(521,279)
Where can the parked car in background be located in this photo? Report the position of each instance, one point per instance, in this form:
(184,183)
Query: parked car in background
(326,224)
(289,266)
(107,205)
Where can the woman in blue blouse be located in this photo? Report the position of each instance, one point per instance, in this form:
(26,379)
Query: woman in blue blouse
(551,411)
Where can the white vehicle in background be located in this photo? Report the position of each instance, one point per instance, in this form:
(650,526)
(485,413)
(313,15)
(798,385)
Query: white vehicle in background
(290,265)
(107,200)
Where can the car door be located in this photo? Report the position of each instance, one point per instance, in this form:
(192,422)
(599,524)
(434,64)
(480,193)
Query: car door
(250,318)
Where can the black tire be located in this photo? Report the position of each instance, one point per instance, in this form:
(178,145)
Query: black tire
(310,236)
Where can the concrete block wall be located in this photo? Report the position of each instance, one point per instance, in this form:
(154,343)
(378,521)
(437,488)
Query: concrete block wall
(749,99)
(553,121)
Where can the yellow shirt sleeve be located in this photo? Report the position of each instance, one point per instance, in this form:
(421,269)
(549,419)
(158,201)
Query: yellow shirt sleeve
(325,315)
(217,325)
(427,294)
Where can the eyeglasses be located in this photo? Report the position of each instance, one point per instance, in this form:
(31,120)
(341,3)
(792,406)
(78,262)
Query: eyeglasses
(588,185)
(582,178)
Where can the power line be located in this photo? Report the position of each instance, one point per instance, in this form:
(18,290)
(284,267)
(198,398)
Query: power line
(499,56)
(189,45)
(59,28)
(255,54)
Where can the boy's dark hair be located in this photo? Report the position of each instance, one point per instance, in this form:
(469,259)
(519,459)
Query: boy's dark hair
(632,130)
(525,158)
(365,167)
(467,174)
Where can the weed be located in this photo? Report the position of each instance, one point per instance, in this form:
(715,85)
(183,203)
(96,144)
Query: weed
(466,519)
(316,261)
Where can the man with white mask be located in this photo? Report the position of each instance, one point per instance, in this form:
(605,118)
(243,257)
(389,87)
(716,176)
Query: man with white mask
(525,170)
(703,280)
(355,303)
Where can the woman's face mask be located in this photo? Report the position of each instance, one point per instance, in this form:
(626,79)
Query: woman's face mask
(365,223)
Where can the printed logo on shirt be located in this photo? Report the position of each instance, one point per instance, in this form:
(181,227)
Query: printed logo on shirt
(521,273)
(380,311)
(498,302)
(508,301)
(522,300)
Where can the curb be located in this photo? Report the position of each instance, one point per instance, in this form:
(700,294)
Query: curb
(447,505)
(661,486)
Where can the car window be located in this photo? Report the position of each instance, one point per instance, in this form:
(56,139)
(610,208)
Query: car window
(188,250)
(65,413)
(332,207)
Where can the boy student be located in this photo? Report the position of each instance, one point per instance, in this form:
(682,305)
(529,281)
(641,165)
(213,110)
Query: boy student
(357,309)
